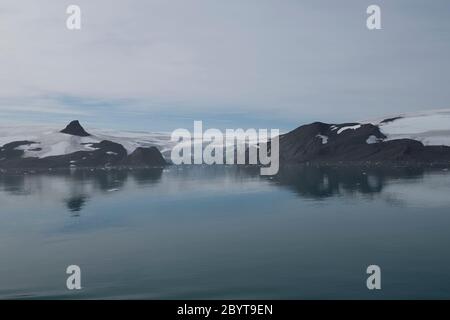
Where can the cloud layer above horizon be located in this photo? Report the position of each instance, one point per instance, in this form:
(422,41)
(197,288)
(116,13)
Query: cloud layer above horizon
(287,61)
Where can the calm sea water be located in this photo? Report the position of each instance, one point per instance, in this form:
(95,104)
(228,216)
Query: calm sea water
(225,232)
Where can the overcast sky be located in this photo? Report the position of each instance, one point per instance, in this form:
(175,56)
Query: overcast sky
(160,64)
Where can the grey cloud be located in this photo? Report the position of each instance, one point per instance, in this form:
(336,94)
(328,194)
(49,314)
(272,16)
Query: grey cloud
(291,59)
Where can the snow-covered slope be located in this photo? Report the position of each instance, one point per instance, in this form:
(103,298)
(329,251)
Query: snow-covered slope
(51,142)
(432,128)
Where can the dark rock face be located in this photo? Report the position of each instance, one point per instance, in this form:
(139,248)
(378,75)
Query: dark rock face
(146,157)
(390,119)
(75,129)
(9,151)
(326,143)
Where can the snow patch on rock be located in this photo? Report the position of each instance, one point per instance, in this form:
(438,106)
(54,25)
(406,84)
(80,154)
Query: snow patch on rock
(323,138)
(373,139)
(348,128)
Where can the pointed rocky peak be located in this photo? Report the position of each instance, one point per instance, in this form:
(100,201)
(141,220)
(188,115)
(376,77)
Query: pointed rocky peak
(75,129)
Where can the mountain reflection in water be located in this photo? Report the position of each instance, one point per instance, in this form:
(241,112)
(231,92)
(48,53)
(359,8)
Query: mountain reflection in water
(81,186)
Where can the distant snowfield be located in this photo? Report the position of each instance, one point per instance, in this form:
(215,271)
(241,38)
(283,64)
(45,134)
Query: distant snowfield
(49,141)
(430,128)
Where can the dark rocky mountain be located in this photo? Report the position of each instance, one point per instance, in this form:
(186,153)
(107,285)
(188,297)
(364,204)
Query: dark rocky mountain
(75,129)
(102,154)
(354,143)
(141,156)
